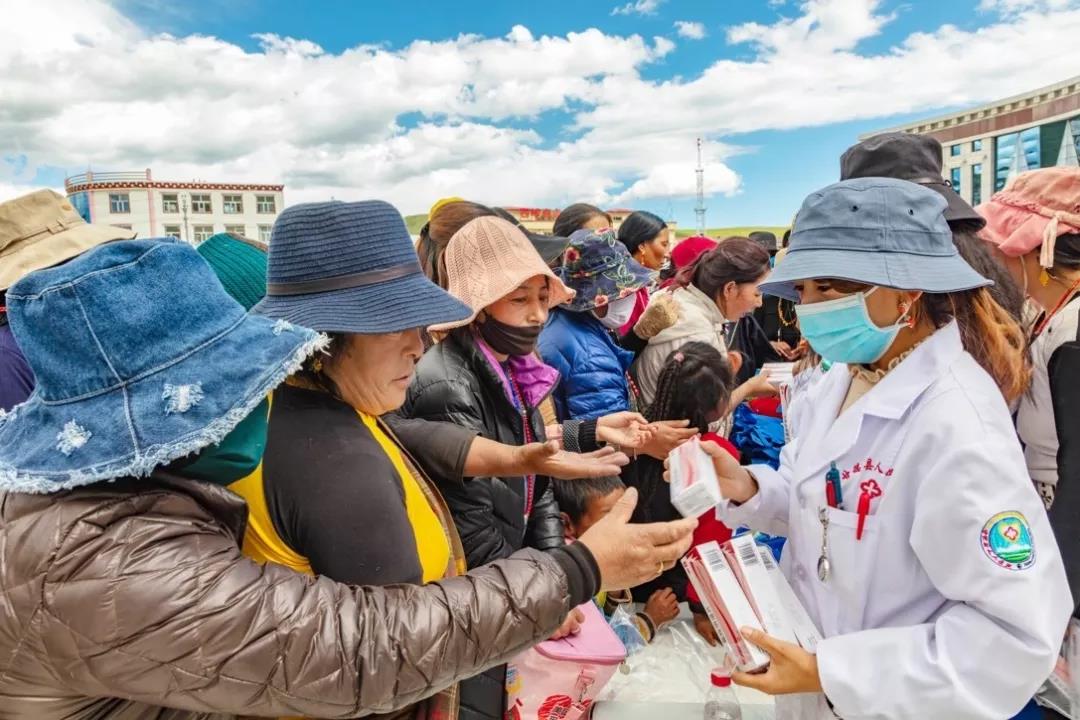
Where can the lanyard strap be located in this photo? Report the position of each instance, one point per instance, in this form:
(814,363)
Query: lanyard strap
(519,398)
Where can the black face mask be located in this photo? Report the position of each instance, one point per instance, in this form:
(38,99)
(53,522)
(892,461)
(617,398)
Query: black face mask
(507,339)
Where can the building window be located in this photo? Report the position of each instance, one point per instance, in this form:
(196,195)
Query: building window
(202,232)
(201,205)
(170,203)
(119,203)
(976,183)
(954,179)
(172,231)
(236,230)
(1016,153)
(976,145)
(954,150)
(233,204)
(264,233)
(265,204)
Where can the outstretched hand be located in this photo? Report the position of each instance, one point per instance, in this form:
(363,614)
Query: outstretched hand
(547,459)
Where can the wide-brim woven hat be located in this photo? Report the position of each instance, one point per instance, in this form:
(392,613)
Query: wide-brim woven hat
(877,231)
(42,229)
(351,268)
(911,157)
(140,357)
(600,270)
(1033,211)
(488,259)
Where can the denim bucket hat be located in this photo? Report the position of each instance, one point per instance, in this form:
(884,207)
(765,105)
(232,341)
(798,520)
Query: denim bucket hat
(878,231)
(140,357)
(352,268)
(600,269)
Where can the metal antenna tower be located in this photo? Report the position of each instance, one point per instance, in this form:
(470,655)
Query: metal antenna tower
(699,211)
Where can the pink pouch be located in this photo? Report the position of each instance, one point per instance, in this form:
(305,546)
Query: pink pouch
(559,679)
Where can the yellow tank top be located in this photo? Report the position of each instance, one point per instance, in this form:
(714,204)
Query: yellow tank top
(263,544)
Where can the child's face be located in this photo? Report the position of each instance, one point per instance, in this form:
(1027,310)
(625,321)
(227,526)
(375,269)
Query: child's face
(597,508)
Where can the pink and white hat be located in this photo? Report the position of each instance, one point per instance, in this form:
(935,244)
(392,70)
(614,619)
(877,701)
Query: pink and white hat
(1033,211)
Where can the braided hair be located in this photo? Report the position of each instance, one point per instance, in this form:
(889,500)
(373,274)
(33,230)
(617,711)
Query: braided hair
(695,384)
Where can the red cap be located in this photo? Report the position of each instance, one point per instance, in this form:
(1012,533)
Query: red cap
(720,678)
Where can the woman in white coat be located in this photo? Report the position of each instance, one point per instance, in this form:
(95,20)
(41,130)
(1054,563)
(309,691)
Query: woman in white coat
(915,538)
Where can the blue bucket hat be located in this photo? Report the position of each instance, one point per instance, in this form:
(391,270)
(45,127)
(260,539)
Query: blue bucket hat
(878,231)
(600,269)
(351,267)
(140,357)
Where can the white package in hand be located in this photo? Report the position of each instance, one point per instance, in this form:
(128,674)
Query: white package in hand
(759,587)
(725,603)
(694,488)
(806,632)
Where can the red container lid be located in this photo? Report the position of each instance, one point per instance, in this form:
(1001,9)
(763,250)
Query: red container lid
(720,678)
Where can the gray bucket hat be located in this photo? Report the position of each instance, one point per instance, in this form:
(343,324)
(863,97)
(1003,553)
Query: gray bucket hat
(878,231)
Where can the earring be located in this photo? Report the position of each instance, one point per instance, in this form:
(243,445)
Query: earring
(905,309)
(316,365)
(1044,277)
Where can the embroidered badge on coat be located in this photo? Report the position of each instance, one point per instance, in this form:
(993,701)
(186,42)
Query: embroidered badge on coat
(1006,539)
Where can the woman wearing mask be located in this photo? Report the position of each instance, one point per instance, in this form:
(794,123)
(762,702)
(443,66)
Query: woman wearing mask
(1035,227)
(484,375)
(712,294)
(914,534)
(580,339)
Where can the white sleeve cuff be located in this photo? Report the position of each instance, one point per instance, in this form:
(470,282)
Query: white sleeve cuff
(767,511)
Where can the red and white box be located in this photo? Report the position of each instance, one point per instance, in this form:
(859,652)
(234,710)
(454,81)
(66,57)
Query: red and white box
(800,622)
(759,588)
(694,488)
(726,604)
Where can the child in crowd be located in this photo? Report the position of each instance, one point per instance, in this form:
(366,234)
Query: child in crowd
(583,503)
(696,383)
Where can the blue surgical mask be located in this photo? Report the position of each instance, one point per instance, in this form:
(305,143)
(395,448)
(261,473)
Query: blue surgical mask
(841,330)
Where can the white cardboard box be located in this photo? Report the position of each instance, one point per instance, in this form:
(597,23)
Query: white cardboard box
(694,488)
(725,603)
(806,632)
(760,588)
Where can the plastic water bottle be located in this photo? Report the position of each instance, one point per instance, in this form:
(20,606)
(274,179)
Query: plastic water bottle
(720,701)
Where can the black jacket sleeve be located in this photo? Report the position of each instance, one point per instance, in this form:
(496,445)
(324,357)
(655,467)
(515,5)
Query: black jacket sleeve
(440,448)
(471,503)
(545,529)
(1064,370)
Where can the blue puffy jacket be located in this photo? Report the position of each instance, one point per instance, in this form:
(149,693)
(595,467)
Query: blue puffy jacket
(592,365)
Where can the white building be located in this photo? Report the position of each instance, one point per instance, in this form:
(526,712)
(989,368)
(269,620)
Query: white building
(191,211)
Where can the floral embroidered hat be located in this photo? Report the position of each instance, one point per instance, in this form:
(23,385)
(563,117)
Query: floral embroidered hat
(600,270)
(140,357)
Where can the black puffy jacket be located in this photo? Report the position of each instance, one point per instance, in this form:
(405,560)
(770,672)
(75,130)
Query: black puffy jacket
(456,383)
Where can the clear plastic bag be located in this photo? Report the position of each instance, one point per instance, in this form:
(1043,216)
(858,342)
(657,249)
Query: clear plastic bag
(623,624)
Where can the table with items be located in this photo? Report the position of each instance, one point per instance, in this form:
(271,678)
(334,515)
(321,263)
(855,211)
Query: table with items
(670,679)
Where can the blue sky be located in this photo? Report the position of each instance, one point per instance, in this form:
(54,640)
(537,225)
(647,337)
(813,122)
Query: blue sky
(543,104)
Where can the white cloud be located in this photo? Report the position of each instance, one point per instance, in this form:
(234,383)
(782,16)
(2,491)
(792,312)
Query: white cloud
(690,30)
(1011,7)
(82,85)
(638,7)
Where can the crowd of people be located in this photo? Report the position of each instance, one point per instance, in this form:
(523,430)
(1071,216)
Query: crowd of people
(347,473)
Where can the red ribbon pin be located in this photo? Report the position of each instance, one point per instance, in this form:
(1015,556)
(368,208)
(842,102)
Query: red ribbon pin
(870,490)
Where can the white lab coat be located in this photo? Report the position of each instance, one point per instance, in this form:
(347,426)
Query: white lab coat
(918,620)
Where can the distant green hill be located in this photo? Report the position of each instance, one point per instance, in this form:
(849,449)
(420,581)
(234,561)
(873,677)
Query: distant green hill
(720,233)
(415,222)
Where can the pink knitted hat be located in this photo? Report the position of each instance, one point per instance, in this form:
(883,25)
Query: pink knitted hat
(487,260)
(1033,211)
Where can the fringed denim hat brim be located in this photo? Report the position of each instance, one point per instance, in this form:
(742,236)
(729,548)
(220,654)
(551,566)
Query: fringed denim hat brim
(165,414)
